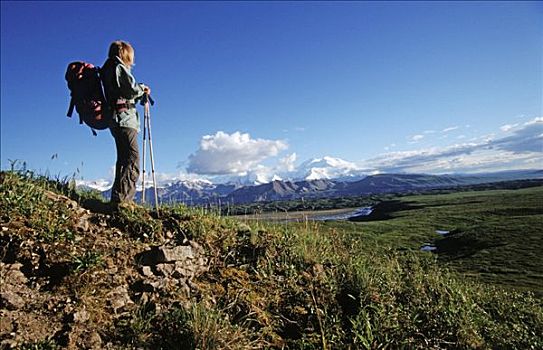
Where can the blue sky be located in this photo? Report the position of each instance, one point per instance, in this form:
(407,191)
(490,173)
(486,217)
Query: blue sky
(260,87)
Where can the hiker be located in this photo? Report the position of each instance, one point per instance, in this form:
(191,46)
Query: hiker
(122,92)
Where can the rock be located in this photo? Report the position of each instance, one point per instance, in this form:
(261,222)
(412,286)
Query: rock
(11,273)
(55,197)
(160,284)
(119,298)
(202,263)
(184,286)
(81,316)
(198,248)
(187,266)
(13,286)
(165,269)
(11,300)
(181,272)
(146,271)
(146,286)
(178,253)
(157,255)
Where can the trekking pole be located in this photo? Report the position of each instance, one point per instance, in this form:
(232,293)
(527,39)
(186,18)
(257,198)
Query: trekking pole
(144,147)
(147,116)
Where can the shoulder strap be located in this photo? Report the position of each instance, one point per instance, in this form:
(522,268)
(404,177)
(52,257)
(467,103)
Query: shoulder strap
(99,71)
(71,108)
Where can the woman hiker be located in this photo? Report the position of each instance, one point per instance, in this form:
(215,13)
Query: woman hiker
(121,92)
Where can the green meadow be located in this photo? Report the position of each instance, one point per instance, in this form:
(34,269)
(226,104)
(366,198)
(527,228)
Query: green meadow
(494,236)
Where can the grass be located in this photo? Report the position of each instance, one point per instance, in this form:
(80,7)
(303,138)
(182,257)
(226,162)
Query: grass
(307,285)
(87,261)
(28,199)
(495,235)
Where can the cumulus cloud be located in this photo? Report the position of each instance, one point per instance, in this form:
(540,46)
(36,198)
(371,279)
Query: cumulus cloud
(287,163)
(232,154)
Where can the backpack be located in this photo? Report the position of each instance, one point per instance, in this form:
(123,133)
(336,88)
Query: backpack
(87,95)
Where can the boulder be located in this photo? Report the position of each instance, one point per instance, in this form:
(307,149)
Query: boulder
(174,254)
(162,254)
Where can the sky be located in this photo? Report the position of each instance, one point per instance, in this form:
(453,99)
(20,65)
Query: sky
(261,88)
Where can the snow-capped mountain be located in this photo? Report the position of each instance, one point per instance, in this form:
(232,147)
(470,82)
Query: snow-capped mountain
(99,185)
(190,192)
(194,192)
(328,168)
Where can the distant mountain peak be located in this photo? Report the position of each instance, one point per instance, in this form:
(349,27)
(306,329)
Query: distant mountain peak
(327,167)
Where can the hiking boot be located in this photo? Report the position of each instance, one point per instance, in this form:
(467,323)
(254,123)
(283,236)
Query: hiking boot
(113,207)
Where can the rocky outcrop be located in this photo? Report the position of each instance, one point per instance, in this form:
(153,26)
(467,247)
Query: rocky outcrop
(67,285)
(166,266)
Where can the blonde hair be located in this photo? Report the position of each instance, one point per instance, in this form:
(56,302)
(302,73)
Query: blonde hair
(123,50)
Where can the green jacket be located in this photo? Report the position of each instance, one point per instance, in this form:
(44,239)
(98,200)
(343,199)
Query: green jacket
(120,87)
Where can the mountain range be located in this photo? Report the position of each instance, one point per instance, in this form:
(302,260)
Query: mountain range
(204,192)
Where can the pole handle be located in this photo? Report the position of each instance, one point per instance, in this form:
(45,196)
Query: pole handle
(147,98)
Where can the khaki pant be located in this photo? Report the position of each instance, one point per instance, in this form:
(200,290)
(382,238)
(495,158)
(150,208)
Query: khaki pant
(127,168)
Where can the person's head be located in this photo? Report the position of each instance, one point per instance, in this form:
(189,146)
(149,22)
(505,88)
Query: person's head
(123,50)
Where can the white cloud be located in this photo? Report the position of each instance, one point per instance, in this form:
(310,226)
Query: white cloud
(538,120)
(529,138)
(287,163)
(449,129)
(416,138)
(507,127)
(521,148)
(234,154)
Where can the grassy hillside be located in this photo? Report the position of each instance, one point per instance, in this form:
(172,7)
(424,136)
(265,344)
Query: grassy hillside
(193,280)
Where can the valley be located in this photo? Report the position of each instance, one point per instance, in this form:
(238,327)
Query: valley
(491,236)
